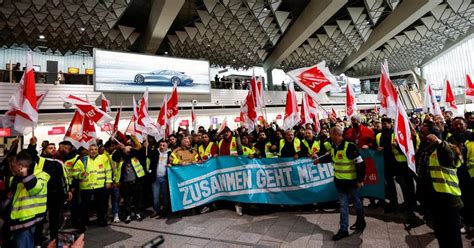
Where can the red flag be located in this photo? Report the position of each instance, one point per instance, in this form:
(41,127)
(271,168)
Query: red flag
(104,103)
(387,95)
(74,131)
(162,121)
(249,111)
(193,120)
(430,105)
(449,98)
(89,135)
(314,80)
(469,87)
(93,112)
(333,114)
(23,112)
(308,110)
(223,125)
(403,136)
(132,126)
(117,119)
(351,106)
(172,105)
(256,86)
(291,109)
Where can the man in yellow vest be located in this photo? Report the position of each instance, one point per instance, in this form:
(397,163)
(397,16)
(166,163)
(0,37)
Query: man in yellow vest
(208,149)
(129,175)
(265,146)
(396,166)
(464,139)
(230,144)
(349,174)
(57,188)
(95,177)
(114,192)
(437,163)
(26,201)
(310,142)
(71,159)
(290,146)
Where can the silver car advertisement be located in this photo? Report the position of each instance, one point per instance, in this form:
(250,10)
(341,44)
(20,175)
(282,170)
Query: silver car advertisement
(129,72)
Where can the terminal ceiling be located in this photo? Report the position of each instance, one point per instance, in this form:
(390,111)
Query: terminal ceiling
(351,36)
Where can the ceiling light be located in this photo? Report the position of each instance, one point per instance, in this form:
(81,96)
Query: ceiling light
(265,9)
(41,36)
(208,45)
(82,28)
(367,22)
(233,60)
(166,52)
(249,53)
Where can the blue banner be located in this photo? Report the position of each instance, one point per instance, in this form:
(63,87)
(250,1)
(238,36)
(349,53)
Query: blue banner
(267,180)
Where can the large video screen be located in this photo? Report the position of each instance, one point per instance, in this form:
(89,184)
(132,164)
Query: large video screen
(129,72)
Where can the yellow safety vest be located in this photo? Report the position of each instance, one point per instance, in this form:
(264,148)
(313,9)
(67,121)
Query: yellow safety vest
(137,167)
(233,146)
(248,151)
(296,144)
(314,148)
(344,168)
(27,204)
(399,156)
(470,157)
(205,152)
(268,151)
(444,179)
(40,166)
(70,167)
(99,173)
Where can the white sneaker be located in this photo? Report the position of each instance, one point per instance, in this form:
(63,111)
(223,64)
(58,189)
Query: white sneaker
(238,210)
(116,218)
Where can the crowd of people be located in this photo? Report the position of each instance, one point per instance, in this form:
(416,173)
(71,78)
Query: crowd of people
(123,176)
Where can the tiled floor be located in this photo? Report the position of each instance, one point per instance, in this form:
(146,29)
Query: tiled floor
(223,228)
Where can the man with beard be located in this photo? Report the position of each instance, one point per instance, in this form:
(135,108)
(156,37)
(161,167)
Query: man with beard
(197,140)
(290,146)
(359,134)
(312,145)
(264,144)
(71,158)
(57,187)
(208,149)
(396,166)
(437,162)
(463,139)
(469,117)
(173,142)
(229,145)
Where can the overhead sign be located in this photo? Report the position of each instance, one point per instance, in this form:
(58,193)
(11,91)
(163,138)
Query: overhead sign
(214,120)
(130,72)
(5,132)
(57,131)
(278,117)
(237,119)
(184,123)
(73,70)
(89,71)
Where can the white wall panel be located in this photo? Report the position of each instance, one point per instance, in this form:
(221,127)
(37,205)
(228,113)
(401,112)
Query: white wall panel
(452,65)
(19,55)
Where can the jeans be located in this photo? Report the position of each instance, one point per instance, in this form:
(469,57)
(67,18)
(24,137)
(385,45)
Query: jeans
(160,187)
(115,199)
(344,195)
(100,204)
(24,238)
(132,196)
(447,227)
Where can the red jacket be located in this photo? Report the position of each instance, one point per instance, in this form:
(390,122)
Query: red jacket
(361,136)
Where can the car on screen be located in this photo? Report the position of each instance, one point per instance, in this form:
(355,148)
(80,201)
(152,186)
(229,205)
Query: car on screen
(163,76)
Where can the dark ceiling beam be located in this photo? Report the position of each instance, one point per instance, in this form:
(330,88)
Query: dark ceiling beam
(314,16)
(448,46)
(162,15)
(402,17)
